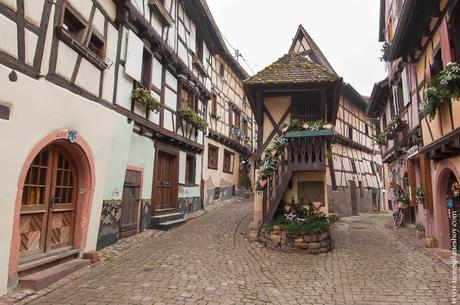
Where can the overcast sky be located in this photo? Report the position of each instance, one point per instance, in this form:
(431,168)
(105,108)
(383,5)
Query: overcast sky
(345,30)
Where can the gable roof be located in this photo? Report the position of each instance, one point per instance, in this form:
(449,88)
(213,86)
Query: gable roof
(292,68)
(311,47)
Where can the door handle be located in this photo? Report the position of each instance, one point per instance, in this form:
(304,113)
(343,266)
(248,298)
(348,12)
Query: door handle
(53,199)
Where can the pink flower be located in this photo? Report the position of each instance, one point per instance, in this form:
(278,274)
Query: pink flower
(285,129)
(328,126)
(306,126)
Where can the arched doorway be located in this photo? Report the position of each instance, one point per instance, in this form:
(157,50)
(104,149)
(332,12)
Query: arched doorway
(453,211)
(53,202)
(49,202)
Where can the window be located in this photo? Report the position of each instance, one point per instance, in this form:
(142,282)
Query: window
(75,31)
(199,48)
(228,161)
(190,169)
(366,129)
(245,127)
(187,98)
(73,24)
(307,107)
(146,69)
(455,31)
(353,166)
(213,156)
(222,70)
(214,104)
(97,45)
(237,119)
(350,132)
(437,65)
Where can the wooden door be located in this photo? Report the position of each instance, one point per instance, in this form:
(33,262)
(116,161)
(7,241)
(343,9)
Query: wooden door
(129,222)
(354,198)
(166,180)
(48,207)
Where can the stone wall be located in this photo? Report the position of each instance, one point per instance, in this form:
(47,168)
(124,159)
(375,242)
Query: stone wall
(281,240)
(225,193)
(189,204)
(109,228)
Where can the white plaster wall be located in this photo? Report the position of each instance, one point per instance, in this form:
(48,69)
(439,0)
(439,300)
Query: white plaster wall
(9,41)
(36,112)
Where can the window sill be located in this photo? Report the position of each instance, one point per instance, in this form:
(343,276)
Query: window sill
(213,168)
(82,50)
(228,172)
(158,8)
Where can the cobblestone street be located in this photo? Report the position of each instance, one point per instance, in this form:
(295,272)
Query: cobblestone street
(209,261)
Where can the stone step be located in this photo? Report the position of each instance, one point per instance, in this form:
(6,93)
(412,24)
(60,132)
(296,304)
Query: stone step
(44,278)
(170,224)
(159,219)
(49,259)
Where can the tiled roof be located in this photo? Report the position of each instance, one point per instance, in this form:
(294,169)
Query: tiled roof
(292,68)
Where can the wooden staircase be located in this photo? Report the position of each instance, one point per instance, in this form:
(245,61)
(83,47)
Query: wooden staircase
(301,154)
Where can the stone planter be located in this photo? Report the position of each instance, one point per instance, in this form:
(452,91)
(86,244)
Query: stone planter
(284,241)
(419,234)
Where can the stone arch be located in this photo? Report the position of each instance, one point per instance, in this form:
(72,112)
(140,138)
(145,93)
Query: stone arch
(443,171)
(82,156)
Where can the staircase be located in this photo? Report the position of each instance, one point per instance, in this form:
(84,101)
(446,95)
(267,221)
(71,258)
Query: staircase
(165,220)
(302,154)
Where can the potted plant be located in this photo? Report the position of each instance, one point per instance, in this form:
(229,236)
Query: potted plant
(419,195)
(403,201)
(443,88)
(191,116)
(419,231)
(215,116)
(145,98)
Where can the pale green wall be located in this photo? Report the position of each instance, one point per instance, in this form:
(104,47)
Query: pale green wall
(142,154)
(118,159)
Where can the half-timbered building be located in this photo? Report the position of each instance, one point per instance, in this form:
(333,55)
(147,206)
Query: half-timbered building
(354,166)
(421,40)
(57,125)
(229,163)
(103,116)
(293,89)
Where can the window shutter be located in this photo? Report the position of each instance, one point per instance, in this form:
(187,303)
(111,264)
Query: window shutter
(425,173)
(134,54)
(405,86)
(411,181)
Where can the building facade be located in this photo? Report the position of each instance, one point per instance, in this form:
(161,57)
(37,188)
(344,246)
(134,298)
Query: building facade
(57,128)
(419,130)
(354,174)
(119,95)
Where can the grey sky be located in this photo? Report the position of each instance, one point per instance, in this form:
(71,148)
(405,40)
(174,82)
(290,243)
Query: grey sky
(345,30)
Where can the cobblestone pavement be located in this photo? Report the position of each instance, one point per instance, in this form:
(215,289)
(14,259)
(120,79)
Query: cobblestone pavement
(208,261)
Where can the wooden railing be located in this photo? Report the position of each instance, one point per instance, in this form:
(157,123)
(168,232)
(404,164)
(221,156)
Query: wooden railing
(301,154)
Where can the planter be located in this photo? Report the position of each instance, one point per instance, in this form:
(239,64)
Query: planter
(419,234)
(307,243)
(402,205)
(429,242)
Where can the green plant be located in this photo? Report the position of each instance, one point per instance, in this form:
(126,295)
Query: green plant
(381,138)
(419,194)
(384,50)
(419,227)
(404,199)
(301,220)
(245,181)
(145,98)
(443,88)
(189,115)
(215,116)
